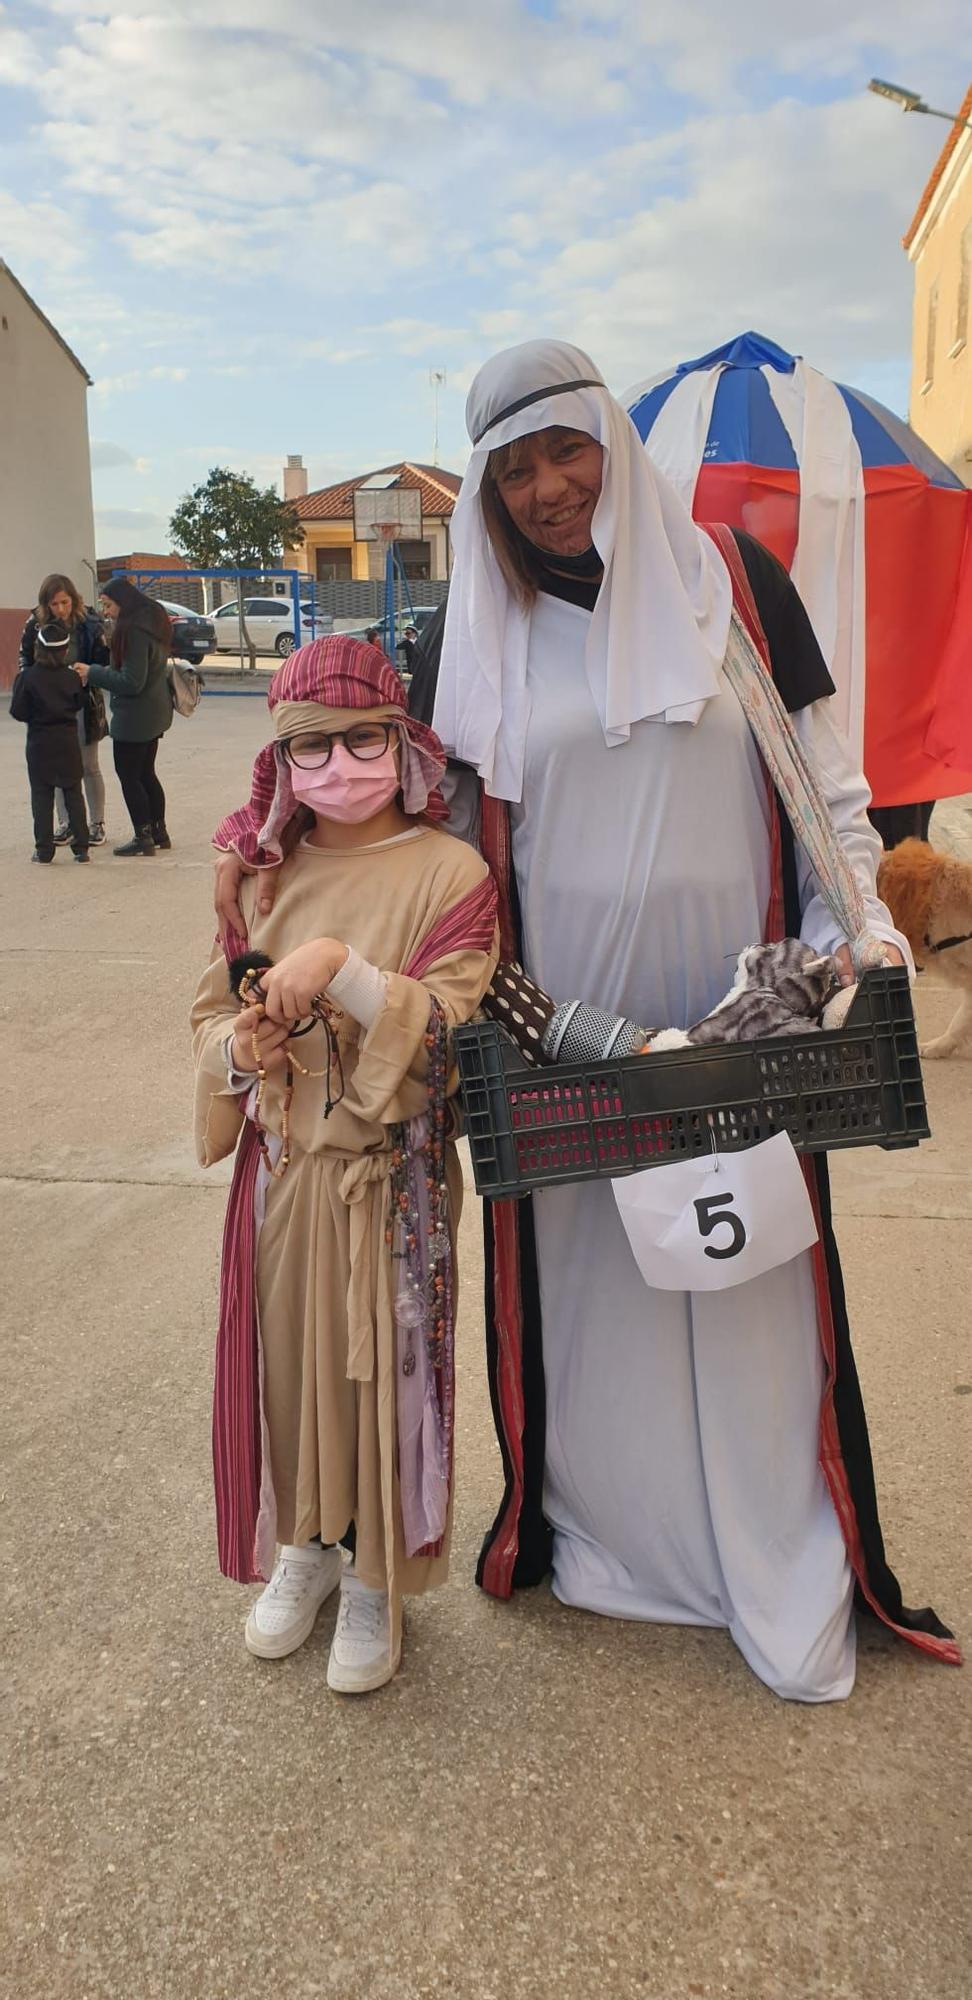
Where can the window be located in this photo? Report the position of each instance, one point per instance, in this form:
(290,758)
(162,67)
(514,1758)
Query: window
(930,336)
(416,559)
(266,607)
(964,290)
(333,565)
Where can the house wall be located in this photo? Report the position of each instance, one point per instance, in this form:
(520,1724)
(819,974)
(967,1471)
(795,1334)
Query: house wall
(46,508)
(328,535)
(340,535)
(941,375)
(438,534)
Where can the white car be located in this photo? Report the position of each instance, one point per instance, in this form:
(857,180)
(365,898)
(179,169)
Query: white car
(269,623)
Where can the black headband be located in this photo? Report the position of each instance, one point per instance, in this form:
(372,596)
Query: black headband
(538,396)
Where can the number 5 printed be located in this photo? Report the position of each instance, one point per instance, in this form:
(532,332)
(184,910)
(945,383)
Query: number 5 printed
(708,1220)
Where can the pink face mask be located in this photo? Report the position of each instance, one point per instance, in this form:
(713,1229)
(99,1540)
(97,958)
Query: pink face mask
(347,788)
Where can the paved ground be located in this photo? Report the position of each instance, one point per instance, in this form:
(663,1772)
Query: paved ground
(543,1803)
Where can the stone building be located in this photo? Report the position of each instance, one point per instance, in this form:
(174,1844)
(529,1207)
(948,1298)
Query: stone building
(939,245)
(46,506)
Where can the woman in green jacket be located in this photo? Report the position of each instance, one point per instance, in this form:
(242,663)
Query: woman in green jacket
(141,706)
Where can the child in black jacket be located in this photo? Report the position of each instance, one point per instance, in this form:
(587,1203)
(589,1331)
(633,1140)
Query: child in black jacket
(47,696)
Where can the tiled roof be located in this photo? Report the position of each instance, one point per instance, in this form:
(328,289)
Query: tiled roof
(142,560)
(334,503)
(964,111)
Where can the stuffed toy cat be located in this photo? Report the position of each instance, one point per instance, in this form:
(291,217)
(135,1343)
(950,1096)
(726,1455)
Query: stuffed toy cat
(779,989)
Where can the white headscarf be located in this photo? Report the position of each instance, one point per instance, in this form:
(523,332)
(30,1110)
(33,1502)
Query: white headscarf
(659,629)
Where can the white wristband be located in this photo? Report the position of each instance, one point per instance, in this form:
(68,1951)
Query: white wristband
(239,1080)
(359,988)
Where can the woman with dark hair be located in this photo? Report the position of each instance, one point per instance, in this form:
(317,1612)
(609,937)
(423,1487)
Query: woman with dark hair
(141,706)
(58,598)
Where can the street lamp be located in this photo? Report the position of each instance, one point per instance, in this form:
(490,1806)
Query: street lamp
(909,100)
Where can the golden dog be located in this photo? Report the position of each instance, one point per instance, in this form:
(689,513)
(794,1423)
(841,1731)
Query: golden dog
(930,898)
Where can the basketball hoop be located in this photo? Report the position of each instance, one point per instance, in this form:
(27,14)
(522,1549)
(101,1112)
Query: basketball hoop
(387,512)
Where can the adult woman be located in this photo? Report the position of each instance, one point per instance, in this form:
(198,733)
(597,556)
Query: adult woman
(141,706)
(696,1458)
(59,598)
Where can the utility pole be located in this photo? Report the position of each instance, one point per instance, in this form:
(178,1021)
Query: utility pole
(437,377)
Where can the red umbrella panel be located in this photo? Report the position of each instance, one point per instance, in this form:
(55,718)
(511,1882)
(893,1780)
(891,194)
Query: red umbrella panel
(917,737)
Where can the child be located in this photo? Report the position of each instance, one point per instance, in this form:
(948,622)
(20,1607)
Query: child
(47,695)
(334,1367)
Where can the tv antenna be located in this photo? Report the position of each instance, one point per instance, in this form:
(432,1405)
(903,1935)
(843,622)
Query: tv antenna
(437,379)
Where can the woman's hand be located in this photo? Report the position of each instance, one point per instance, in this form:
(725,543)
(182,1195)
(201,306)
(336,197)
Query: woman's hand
(230,871)
(845,967)
(81,669)
(295,981)
(270,1039)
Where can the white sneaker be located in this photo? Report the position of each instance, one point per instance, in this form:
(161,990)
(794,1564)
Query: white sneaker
(360,1656)
(283,1617)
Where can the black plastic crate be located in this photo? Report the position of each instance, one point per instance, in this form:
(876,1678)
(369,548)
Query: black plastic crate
(859,1085)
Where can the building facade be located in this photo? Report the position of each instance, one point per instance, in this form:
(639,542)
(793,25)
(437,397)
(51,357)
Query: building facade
(939,245)
(329,552)
(46,506)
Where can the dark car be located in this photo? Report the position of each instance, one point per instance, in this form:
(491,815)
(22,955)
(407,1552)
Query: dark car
(192,636)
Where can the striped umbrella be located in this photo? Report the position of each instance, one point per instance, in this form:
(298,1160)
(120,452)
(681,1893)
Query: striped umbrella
(874,527)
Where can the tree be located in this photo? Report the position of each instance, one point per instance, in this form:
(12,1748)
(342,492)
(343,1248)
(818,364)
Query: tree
(230,521)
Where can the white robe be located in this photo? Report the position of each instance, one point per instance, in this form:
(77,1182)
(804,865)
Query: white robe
(681,1479)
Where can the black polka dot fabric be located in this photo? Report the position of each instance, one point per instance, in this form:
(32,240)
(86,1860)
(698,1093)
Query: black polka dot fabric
(521,1007)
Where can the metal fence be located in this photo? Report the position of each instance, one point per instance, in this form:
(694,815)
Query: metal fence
(366,600)
(344,600)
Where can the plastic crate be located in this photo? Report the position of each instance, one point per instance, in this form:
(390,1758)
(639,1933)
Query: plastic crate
(859,1085)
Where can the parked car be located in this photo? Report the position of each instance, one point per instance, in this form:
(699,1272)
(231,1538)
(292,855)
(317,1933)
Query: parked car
(192,636)
(406,621)
(419,617)
(269,622)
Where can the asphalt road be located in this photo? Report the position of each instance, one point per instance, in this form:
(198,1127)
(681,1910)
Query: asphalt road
(543,1803)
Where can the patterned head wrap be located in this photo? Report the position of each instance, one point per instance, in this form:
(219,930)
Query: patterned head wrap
(332,684)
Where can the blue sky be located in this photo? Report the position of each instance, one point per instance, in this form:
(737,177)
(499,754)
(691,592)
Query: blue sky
(261,227)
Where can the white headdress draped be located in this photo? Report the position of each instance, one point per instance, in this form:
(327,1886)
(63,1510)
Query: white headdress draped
(659,629)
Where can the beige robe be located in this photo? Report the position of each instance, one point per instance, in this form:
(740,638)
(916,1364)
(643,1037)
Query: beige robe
(324,1272)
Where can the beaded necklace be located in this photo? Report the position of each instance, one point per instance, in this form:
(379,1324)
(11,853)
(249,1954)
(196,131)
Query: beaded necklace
(252,994)
(419,1214)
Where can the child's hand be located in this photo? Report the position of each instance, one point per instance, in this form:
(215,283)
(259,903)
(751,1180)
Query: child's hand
(270,1037)
(294,982)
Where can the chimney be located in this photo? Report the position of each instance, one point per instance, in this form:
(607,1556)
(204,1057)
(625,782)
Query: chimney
(295,478)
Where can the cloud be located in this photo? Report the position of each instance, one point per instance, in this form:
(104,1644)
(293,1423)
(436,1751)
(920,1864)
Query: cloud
(268,145)
(707,51)
(387,190)
(107,457)
(808,252)
(141,527)
(136,378)
(38,238)
(418,336)
(336,357)
(469,57)
(19,59)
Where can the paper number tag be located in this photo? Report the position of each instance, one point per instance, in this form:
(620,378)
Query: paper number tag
(704,1225)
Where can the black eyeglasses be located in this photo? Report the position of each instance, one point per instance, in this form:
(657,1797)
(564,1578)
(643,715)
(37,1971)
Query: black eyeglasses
(366,740)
